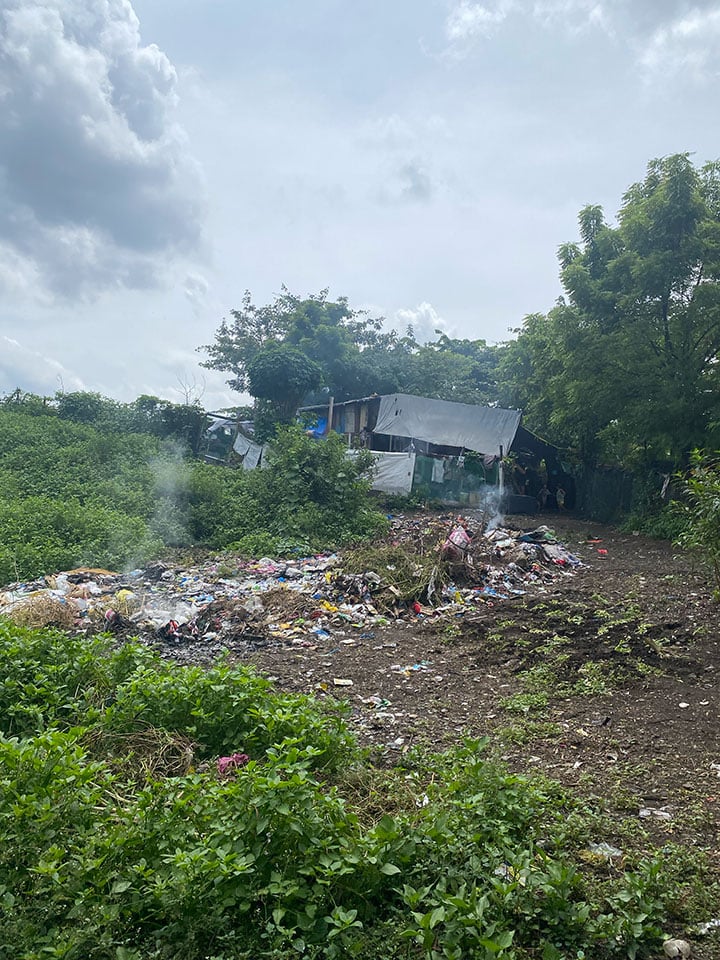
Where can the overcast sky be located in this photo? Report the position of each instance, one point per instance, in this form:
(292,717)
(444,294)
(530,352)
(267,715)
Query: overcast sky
(424,158)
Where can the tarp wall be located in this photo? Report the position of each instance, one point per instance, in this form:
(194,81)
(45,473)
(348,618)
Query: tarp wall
(394,472)
(483,429)
(248,449)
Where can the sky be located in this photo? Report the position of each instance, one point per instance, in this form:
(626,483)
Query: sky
(423,158)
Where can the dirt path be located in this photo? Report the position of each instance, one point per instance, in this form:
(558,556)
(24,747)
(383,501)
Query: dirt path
(607,680)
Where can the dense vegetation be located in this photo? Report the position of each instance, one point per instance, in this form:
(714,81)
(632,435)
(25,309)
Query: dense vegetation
(74,493)
(346,352)
(625,367)
(124,839)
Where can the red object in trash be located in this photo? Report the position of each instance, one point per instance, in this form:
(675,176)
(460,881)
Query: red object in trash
(603,553)
(416,607)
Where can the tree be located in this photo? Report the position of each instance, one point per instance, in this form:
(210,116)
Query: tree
(282,375)
(328,332)
(452,369)
(700,512)
(81,406)
(20,401)
(355,354)
(630,357)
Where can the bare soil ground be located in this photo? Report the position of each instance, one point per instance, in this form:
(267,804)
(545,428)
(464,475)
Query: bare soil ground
(609,682)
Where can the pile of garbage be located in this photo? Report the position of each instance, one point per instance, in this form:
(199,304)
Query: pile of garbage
(429,568)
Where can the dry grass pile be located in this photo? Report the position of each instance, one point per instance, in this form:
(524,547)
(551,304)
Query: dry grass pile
(42,610)
(143,755)
(406,575)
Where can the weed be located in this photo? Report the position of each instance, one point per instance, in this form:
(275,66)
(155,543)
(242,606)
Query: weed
(540,679)
(594,678)
(525,702)
(646,669)
(451,630)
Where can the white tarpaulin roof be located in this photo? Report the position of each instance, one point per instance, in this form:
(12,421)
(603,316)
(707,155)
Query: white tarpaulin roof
(482,429)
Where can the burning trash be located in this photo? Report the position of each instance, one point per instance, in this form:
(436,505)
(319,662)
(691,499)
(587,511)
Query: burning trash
(430,566)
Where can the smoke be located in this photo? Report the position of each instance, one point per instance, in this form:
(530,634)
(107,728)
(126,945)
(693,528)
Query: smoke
(490,509)
(171,494)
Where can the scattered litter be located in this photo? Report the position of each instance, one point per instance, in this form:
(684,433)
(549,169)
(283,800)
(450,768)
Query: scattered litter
(410,668)
(339,682)
(661,813)
(375,701)
(507,872)
(308,603)
(601,852)
(228,765)
(677,948)
(704,928)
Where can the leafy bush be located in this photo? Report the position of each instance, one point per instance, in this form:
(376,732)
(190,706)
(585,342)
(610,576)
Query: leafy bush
(223,709)
(651,514)
(313,493)
(41,535)
(700,512)
(666,524)
(48,679)
(72,494)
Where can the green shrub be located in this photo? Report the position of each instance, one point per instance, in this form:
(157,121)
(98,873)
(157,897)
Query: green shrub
(40,535)
(311,492)
(50,679)
(74,493)
(225,709)
(700,512)
(107,857)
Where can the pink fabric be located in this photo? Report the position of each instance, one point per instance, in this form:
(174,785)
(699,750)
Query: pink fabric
(226,765)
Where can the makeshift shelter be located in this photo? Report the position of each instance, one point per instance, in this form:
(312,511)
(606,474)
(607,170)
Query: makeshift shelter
(435,448)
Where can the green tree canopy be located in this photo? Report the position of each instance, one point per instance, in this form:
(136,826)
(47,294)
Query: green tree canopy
(282,375)
(628,362)
(81,406)
(355,354)
(329,333)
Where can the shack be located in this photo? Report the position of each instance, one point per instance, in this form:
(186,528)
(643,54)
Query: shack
(442,450)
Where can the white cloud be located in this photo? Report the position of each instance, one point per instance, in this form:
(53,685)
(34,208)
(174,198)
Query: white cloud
(415,182)
(394,132)
(196,290)
(467,20)
(572,14)
(30,370)
(689,44)
(424,320)
(96,187)
(673,42)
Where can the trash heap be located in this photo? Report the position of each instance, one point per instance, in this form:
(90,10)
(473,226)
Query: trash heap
(428,568)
